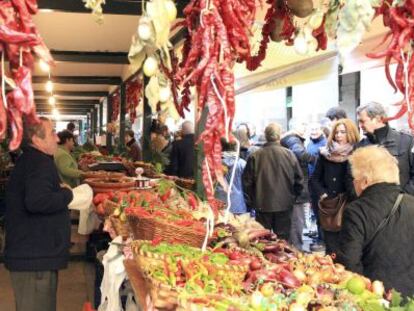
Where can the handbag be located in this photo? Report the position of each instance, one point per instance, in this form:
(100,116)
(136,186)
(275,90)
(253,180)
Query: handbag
(331,211)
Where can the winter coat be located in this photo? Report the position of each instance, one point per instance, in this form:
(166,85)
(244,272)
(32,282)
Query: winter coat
(37,218)
(67,167)
(295,143)
(390,255)
(401,146)
(272,179)
(331,178)
(313,149)
(238,204)
(182,157)
(134,150)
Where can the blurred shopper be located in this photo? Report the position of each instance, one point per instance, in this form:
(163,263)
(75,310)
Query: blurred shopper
(71,127)
(294,141)
(378,229)
(238,204)
(243,136)
(183,153)
(335,113)
(133,148)
(316,142)
(65,162)
(272,180)
(160,141)
(373,121)
(331,180)
(37,222)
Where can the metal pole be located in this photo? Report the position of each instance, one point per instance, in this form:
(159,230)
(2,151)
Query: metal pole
(108,120)
(122,110)
(146,127)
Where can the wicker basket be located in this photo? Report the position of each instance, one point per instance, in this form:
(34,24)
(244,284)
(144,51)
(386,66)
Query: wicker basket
(185,183)
(146,261)
(163,296)
(150,228)
(120,228)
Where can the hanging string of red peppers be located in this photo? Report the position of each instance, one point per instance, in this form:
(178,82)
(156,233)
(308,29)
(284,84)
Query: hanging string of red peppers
(133,96)
(19,40)
(116,104)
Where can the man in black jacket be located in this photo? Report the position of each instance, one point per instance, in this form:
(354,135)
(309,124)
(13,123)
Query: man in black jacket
(388,255)
(183,153)
(272,179)
(372,120)
(294,141)
(37,222)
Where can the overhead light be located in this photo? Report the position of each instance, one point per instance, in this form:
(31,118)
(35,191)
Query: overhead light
(44,66)
(49,86)
(52,100)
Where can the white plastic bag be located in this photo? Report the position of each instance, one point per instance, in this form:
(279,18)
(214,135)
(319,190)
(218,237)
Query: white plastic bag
(82,201)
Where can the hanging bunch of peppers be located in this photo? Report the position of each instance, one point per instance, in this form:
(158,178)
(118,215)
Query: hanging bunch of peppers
(398,16)
(19,40)
(218,37)
(116,105)
(133,96)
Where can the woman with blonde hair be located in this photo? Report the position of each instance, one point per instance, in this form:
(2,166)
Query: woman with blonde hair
(377,233)
(331,177)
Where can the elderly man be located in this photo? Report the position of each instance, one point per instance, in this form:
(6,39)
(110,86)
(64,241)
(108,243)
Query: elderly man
(378,229)
(37,222)
(183,153)
(272,180)
(372,120)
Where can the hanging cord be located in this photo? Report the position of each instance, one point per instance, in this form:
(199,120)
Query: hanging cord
(233,174)
(3,81)
(209,227)
(406,61)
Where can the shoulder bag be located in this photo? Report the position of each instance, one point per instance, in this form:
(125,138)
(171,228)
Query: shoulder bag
(331,212)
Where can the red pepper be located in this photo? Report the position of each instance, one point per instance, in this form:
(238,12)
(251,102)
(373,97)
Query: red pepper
(192,201)
(166,195)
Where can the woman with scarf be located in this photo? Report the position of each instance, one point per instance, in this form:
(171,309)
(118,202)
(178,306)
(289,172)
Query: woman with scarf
(331,176)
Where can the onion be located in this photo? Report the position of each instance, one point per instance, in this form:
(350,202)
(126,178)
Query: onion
(144,31)
(315,20)
(165,94)
(300,44)
(171,10)
(378,288)
(150,66)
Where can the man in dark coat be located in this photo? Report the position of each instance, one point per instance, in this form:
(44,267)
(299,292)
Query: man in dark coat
(272,180)
(388,255)
(37,222)
(294,141)
(183,153)
(134,150)
(372,120)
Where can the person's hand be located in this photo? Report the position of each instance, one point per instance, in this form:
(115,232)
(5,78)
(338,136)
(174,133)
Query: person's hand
(63,185)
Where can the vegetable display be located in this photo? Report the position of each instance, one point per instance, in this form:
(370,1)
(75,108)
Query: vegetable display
(19,43)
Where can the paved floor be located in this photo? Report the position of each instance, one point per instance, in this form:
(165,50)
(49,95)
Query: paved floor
(76,285)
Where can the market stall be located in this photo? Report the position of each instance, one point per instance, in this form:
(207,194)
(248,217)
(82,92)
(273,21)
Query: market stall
(183,250)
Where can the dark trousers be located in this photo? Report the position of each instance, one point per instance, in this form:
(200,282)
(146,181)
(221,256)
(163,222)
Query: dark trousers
(34,291)
(331,242)
(279,222)
(298,223)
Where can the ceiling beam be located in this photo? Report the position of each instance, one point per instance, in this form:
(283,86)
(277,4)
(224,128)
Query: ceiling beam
(72,93)
(79,80)
(126,7)
(91,57)
(70,102)
(58,106)
(64,110)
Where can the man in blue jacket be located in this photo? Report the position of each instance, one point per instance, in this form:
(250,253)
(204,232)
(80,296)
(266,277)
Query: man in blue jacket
(37,222)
